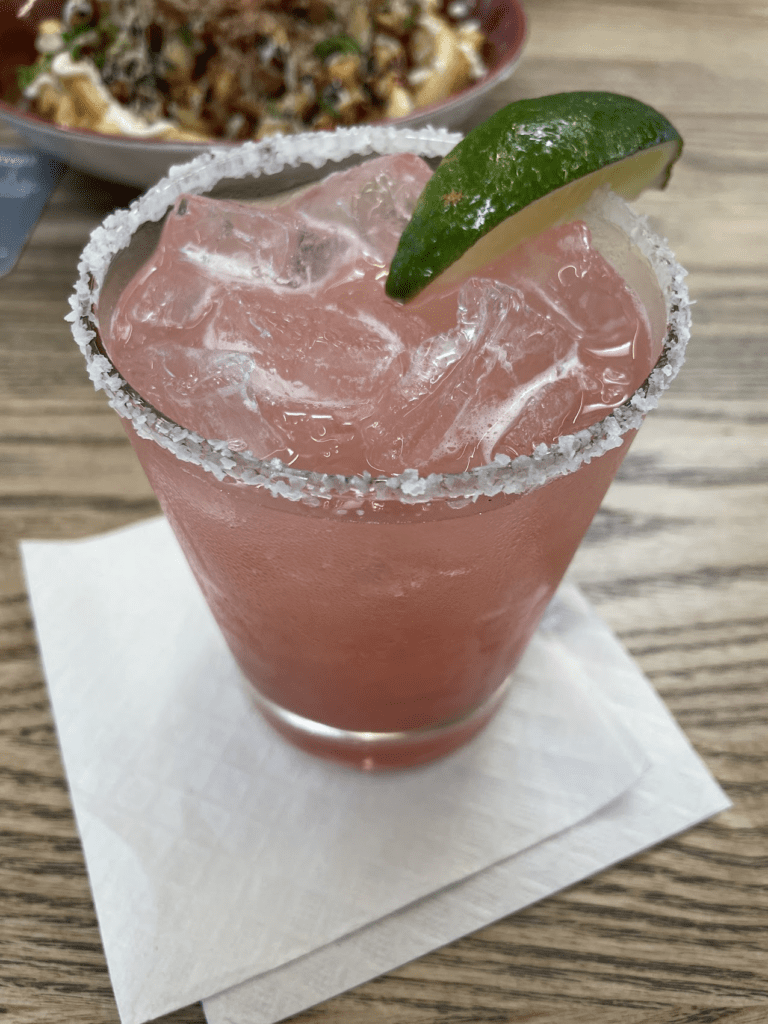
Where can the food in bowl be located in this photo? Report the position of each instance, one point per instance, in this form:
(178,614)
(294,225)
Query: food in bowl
(197,70)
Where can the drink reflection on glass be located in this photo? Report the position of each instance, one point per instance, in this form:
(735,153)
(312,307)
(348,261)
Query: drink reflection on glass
(378,501)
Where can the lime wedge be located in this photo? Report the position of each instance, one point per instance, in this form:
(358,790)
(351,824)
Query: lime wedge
(527,167)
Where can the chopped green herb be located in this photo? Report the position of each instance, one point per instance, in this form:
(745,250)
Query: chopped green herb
(108,29)
(336,44)
(27,73)
(72,34)
(328,107)
(186,36)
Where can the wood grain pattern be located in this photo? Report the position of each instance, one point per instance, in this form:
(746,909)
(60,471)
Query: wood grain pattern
(676,562)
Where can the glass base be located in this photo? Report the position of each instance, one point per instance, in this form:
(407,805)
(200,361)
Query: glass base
(372,751)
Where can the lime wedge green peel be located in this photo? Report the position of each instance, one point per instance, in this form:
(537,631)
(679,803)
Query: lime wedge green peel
(525,168)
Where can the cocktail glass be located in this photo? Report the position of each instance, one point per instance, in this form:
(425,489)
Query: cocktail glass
(378,620)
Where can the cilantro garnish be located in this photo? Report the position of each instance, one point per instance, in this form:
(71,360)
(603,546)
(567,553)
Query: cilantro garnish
(336,44)
(328,108)
(27,73)
(71,34)
(108,29)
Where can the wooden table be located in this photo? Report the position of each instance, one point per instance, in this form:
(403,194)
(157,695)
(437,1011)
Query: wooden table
(677,563)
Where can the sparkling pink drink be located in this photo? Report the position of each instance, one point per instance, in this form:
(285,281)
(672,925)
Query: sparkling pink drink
(378,501)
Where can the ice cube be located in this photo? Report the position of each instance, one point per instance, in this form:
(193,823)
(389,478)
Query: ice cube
(374,201)
(465,387)
(240,243)
(548,408)
(150,304)
(211,390)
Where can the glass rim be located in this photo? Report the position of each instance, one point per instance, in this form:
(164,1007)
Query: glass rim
(269,157)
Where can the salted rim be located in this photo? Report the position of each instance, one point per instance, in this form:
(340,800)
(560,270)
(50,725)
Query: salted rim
(502,475)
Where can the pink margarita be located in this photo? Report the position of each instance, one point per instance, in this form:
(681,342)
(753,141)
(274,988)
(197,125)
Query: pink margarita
(377,500)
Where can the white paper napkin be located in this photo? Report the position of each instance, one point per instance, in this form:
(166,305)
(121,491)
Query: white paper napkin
(674,794)
(216,852)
